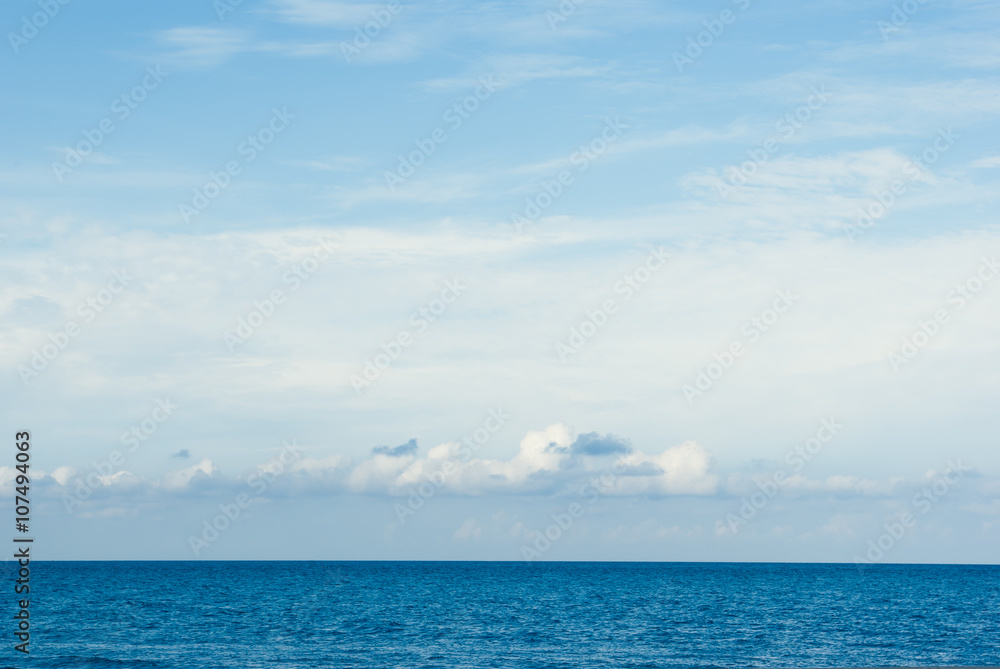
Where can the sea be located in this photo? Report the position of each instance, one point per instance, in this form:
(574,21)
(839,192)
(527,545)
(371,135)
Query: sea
(518,615)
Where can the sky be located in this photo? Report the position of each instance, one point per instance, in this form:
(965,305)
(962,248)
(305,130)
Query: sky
(530,280)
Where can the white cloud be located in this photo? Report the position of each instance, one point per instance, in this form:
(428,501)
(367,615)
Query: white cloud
(986,163)
(202,46)
(681,470)
(183,478)
(543,463)
(378,473)
(326,13)
(331,163)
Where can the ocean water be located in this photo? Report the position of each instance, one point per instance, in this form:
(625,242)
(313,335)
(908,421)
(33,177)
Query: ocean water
(186,615)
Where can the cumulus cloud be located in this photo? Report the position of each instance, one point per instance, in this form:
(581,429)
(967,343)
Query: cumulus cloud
(593,443)
(547,461)
(680,470)
(554,461)
(184,477)
(61,475)
(378,474)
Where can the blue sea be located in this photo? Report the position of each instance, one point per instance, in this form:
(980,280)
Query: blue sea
(185,615)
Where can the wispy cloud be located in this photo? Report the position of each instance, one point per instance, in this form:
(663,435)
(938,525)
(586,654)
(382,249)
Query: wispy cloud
(325,13)
(202,46)
(331,163)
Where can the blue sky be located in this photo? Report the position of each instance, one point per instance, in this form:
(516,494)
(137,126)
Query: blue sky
(664,241)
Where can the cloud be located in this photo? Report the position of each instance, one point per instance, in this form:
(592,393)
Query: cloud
(419,27)
(842,486)
(593,443)
(61,475)
(680,470)
(854,174)
(32,310)
(378,474)
(839,486)
(824,192)
(545,463)
(193,287)
(183,478)
(409,448)
(986,163)
(326,13)
(392,42)
(201,46)
(183,454)
(330,163)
